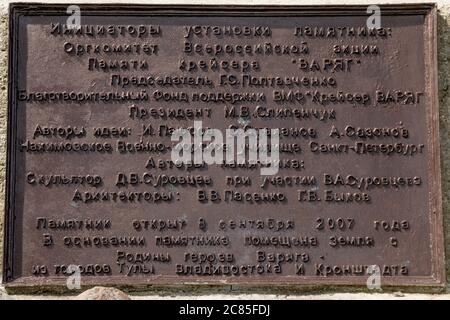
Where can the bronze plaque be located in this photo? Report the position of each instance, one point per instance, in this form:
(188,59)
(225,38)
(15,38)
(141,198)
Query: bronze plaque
(92,183)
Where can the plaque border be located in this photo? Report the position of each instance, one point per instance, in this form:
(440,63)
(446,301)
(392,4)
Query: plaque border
(428,10)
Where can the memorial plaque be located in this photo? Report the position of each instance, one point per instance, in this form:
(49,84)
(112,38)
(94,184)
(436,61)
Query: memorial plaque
(95,105)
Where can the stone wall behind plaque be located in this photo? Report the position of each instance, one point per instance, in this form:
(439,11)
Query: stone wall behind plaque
(444,83)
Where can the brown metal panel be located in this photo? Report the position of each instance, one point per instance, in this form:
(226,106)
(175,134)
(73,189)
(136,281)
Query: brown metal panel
(89,183)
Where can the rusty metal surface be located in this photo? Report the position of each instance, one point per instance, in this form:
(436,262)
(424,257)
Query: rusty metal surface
(381,155)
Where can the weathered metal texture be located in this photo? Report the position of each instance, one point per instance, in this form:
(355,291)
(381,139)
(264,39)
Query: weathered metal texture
(395,226)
